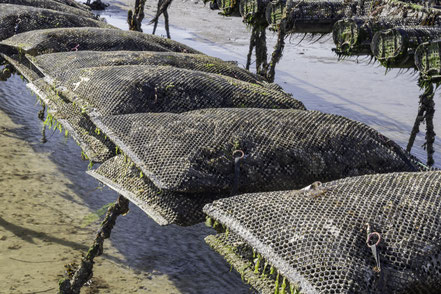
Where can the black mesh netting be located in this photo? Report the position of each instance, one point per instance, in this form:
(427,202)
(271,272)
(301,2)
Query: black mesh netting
(244,259)
(61,64)
(164,207)
(428,59)
(96,39)
(141,88)
(316,237)
(50,4)
(314,16)
(353,36)
(407,12)
(94,144)
(23,66)
(16,19)
(283,149)
(395,47)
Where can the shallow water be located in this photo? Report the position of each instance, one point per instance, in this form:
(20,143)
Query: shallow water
(311,72)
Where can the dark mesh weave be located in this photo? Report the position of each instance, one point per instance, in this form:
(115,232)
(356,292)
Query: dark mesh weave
(353,36)
(164,207)
(50,4)
(284,149)
(23,66)
(15,19)
(313,16)
(394,9)
(141,88)
(428,59)
(73,39)
(317,237)
(61,64)
(94,144)
(396,47)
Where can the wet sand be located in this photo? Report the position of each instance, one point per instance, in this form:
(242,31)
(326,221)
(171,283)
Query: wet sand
(41,231)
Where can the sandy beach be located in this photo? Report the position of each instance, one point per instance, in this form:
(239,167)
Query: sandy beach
(42,228)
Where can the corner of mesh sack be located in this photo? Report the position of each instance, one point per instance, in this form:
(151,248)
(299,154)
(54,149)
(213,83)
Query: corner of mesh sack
(23,66)
(95,145)
(366,234)
(252,267)
(164,207)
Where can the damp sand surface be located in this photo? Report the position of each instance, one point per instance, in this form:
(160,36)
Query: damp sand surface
(41,227)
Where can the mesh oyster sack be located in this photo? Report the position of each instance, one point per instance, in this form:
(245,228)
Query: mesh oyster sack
(50,4)
(141,88)
(66,61)
(94,144)
(247,150)
(428,60)
(314,16)
(23,66)
(244,259)
(396,47)
(16,19)
(353,36)
(367,234)
(164,207)
(406,11)
(95,39)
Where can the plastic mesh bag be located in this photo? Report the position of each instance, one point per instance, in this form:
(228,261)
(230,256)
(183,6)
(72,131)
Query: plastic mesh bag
(15,19)
(282,149)
(396,47)
(318,237)
(314,16)
(140,88)
(406,11)
(81,39)
(428,60)
(50,4)
(61,64)
(164,207)
(95,145)
(353,36)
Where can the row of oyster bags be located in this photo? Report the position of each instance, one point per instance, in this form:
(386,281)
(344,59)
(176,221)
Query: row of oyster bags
(193,129)
(181,119)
